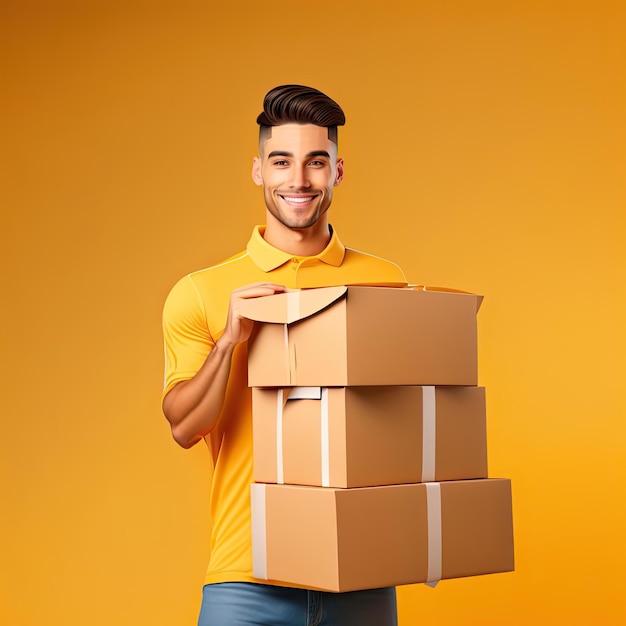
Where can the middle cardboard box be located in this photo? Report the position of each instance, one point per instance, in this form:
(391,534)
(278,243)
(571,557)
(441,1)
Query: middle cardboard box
(349,437)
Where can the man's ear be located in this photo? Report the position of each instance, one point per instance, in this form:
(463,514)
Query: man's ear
(256,171)
(339,176)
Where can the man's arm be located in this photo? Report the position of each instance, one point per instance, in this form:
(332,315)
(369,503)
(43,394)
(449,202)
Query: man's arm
(194,406)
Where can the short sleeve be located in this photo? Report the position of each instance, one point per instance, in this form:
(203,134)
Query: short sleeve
(185,332)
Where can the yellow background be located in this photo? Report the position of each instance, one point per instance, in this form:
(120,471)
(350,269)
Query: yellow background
(485,150)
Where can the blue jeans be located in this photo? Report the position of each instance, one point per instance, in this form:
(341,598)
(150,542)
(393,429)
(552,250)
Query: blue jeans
(251,604)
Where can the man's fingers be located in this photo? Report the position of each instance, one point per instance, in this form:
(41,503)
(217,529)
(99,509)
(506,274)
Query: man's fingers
(256,290)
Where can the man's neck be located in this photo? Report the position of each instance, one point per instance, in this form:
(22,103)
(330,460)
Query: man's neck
(299,242)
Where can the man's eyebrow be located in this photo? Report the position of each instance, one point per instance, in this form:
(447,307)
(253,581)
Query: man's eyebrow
(282,153)
(279,153)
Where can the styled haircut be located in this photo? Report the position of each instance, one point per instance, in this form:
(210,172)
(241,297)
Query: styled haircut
(297,104)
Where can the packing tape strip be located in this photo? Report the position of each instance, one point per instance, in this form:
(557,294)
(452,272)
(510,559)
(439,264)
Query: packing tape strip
(259,531)
(280,463)
(325,438)
(429,430)
(293,306)
(293,314)
(433,509)
(305,393)
(287,355)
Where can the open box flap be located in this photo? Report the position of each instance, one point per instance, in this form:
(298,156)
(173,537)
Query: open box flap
(292,306)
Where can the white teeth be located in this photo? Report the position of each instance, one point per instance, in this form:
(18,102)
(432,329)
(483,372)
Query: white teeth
(299,200)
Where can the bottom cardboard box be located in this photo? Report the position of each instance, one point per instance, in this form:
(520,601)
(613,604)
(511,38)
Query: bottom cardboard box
(364,538)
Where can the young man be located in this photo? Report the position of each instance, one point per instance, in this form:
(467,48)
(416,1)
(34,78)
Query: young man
(206,394)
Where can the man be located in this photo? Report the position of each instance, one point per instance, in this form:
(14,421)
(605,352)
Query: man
(206,394)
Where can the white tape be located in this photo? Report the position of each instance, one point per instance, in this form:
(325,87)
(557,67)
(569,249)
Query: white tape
(305,393)
(280,466)
(259,531)
(325,439)
(287,355)
(433,509)
(429,430)
(293,315)
(293,306)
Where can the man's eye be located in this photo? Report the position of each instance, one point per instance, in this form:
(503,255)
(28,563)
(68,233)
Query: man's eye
(317,163)
(280,163)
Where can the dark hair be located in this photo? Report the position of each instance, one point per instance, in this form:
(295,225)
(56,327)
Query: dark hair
(297,104)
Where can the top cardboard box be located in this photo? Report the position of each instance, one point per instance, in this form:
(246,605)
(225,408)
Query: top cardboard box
(344,336)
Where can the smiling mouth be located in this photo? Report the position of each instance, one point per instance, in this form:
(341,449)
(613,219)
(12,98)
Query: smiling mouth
(297,200)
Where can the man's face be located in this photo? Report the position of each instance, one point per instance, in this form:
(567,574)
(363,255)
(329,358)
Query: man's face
(298,169)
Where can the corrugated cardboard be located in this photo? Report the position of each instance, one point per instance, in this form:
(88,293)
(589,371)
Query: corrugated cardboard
(368,436)
(346,336)
(349,539)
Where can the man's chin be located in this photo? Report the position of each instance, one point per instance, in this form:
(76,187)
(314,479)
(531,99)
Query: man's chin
(300,224)
(305,226)
(293,221)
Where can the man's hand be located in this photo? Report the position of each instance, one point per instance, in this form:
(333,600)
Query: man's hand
(194,406)
(238,328)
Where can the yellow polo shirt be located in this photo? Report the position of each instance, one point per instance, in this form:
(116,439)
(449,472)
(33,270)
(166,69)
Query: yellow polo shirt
(194,318)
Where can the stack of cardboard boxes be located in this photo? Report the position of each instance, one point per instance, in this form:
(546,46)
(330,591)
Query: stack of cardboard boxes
(370,454)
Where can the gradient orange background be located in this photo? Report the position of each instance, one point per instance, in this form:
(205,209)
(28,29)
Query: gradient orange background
(485,150)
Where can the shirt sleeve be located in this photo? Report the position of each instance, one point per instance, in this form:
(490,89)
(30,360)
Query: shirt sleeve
(186,334)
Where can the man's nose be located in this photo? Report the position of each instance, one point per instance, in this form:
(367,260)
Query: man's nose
(300,179)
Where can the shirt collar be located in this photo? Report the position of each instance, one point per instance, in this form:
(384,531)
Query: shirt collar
(268,258)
